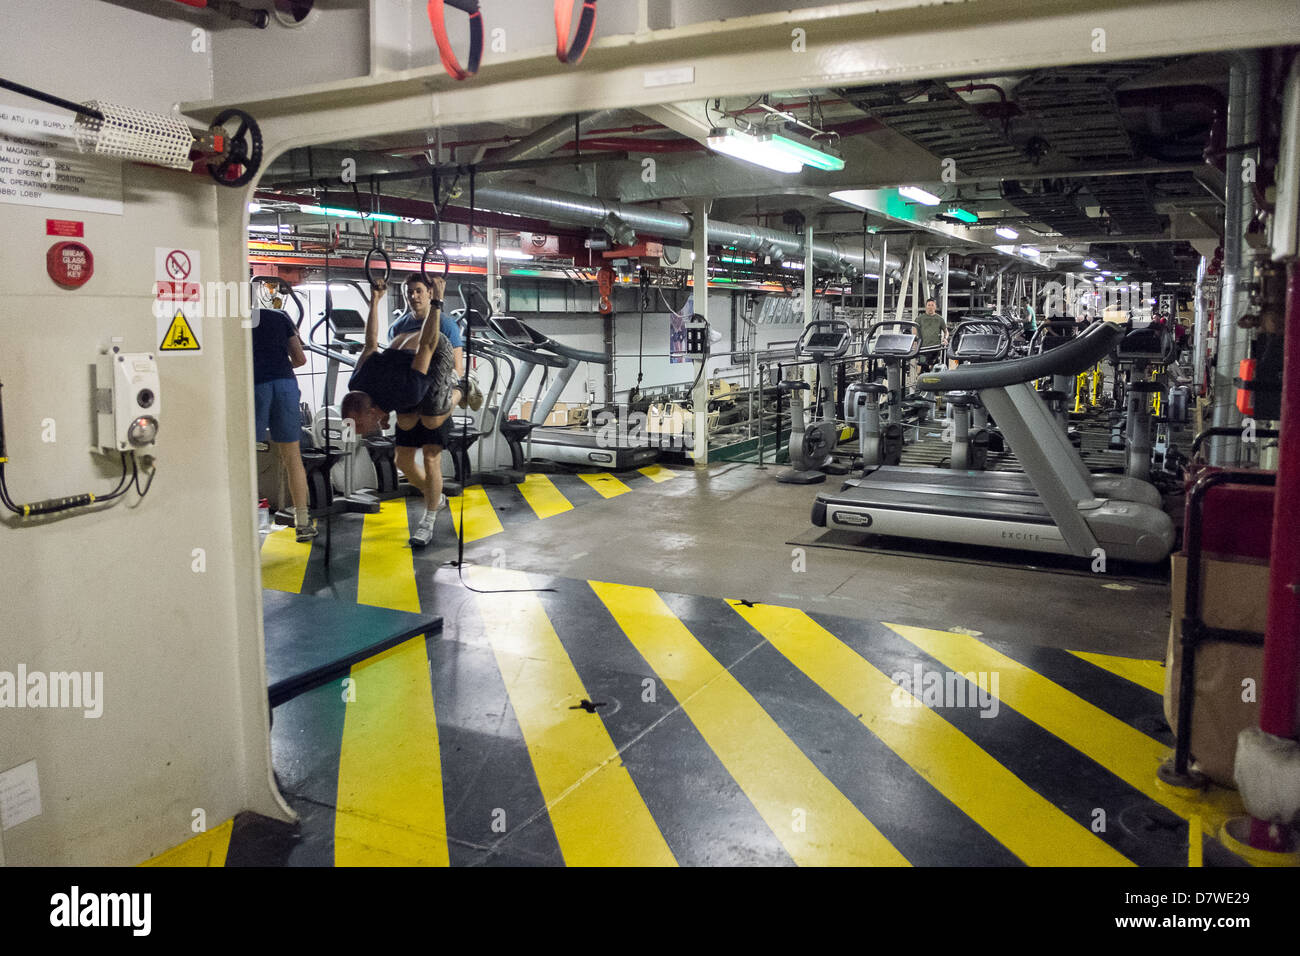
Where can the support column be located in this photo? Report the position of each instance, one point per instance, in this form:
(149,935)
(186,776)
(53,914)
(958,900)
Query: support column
(493,280)
(1243,104)
(700,395)
(882,279)
(947,256)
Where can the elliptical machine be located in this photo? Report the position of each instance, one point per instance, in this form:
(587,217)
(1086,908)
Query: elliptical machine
(814,430)
(877,407)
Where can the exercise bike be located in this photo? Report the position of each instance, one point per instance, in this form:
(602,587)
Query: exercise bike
(877,407)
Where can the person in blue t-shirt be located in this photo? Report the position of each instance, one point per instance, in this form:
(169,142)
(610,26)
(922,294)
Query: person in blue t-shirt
(420,376)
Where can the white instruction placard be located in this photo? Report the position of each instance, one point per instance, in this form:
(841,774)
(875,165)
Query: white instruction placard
(40,165)
(20,795)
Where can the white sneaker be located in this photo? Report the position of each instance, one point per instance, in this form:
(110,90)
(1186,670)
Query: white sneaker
(423,532)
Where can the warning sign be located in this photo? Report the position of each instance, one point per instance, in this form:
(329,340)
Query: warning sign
(179,337)
(178,300)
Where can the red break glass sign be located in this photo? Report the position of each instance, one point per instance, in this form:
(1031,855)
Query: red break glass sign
(70,264)
(65,227)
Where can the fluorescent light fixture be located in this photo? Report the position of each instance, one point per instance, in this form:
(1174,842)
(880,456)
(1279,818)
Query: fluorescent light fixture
(254,207)
(1030,251)
(1089,264)
(753,149)
(1107,272)
(806,153)
(1007,233)
(962,214)
(346,213)
(1009,250)
(917,194)
(792,265)
(741,260)
(480,252)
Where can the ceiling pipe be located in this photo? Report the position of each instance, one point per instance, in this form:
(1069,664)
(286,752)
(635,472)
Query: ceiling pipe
(575,209)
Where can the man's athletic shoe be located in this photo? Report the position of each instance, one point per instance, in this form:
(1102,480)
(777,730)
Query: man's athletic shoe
(423,532)
(475,396)
(305,532)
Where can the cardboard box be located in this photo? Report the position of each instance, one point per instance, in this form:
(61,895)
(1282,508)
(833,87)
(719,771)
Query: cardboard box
(559,415)
(1234,594)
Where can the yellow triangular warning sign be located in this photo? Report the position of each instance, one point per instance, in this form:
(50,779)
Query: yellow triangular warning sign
(180,337)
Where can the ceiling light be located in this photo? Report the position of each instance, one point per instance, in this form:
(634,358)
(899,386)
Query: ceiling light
(1089,264)
(753,149)
(254,207)
(1007,233)
(806,153)
(480,252)
(1107,272)
(962,214)
(917,194)
(346,213)
(1029,251)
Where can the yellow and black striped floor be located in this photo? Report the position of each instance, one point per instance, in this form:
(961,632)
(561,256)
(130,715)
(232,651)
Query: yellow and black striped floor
(582,722)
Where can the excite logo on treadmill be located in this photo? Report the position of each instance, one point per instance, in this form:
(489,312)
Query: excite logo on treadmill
(857,520)
(1021,536)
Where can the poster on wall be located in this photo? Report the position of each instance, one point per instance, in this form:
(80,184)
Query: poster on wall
(40,165)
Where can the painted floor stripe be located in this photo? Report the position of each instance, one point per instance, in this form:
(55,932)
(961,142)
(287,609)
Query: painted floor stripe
(1144,673)
(1017,817)
(390,803)
(814,821)
(284,561)
(605,484)
(598,815)
(206,849)
(1130,754)
(481,519)
(543,497)
(658,473)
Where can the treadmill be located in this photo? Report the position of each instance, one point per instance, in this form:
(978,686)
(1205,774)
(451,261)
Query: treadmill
(1055,507)
(566,444)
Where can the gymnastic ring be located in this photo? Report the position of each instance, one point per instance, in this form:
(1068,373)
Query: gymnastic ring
(424,261)
(388,266)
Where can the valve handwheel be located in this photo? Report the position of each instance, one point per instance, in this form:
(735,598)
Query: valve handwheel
(243,155)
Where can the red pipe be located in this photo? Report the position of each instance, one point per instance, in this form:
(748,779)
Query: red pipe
(1277,708)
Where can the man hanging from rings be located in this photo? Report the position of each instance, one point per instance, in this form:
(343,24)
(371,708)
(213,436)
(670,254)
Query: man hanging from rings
(420,377)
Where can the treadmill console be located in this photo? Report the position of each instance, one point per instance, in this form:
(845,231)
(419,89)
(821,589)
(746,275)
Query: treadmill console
(825,340)
(513,331)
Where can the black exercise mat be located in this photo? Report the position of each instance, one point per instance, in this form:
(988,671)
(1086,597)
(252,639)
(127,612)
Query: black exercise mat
(311,641)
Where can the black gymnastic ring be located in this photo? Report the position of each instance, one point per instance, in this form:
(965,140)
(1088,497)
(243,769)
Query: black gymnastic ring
(424,261)
(388,265)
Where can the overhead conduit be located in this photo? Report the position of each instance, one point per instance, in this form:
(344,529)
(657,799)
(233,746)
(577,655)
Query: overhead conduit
(574,209)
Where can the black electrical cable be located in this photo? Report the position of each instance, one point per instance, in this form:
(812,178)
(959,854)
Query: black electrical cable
(464,433)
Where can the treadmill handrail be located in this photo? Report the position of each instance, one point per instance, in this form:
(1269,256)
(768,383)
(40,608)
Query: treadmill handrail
(1071,358)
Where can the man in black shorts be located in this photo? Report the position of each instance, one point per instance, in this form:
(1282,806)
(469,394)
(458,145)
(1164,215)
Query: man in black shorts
(416,377)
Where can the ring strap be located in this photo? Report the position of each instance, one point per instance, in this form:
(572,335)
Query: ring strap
(582,39)
(445,52)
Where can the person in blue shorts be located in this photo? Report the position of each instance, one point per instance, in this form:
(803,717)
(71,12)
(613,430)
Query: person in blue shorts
(418,376)
(277,351)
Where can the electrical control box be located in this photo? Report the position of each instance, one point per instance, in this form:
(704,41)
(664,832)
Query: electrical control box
(127,402)
(697,337)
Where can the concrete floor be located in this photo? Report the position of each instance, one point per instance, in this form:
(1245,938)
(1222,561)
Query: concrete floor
(723,532)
